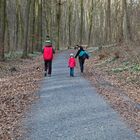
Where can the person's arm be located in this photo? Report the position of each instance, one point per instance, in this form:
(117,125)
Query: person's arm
(43,50)
(74,62)
(77,54)
(69,62)
(53,51)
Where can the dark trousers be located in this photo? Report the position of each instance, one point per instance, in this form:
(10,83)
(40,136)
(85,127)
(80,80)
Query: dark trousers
(71,71)
(48,66)
(81,62)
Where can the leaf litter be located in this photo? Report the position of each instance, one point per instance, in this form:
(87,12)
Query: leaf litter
(118,81)
(19,83)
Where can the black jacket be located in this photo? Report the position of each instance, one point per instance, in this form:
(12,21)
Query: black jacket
(77,54)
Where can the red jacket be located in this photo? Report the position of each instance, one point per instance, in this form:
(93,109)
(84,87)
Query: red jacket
(48,53)
(72,62)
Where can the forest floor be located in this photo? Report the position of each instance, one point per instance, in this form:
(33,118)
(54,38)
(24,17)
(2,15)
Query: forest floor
(116,74)
(19,81)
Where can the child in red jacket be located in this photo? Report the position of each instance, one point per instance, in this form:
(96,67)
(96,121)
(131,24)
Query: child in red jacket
(71,64)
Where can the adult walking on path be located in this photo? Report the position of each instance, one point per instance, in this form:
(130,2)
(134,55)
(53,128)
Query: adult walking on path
(48,52)
(82,55)
(70,109)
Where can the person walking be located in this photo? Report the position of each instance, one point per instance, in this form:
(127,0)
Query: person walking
(71,64)
(48,52)
(82,55)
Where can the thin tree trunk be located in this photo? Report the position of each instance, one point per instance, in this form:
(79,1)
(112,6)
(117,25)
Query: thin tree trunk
(2,27)
(69,22)
(25,51)
(17,23)
(8,35)
(58,22)
(126,22)
(90,23)
(33,28)
(108,22)
(81,24)
(41,32)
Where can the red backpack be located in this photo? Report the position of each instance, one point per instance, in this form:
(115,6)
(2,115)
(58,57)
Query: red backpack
(48,53)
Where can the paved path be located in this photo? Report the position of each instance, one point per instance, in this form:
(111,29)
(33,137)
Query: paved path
(70,109)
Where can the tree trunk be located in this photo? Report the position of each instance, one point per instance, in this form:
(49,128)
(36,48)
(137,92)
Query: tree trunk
(81,24)
(90,23)
(58,22)
(69,22)
(41,33)
(17,24)
(33,28)
(25,51)
(2,27)
(108,22)
(126,22)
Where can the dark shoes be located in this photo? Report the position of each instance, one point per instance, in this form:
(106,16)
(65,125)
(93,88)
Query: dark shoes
(48,75)
(45,74)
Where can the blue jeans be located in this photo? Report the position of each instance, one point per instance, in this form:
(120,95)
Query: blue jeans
(71,71)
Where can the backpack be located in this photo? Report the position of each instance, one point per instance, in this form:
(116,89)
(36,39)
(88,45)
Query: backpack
(48,53)
(84,55)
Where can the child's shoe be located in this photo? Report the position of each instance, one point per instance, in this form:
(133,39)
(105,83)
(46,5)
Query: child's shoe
(49,75)
(45,74)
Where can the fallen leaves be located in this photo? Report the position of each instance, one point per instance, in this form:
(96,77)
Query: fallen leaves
(19,81)
(118,80)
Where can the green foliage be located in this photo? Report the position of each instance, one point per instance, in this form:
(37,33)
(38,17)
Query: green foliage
(117,70)
(13,55)
(35,54)
(136,67)
(126,63)
(132,68)
(112,59)
(104,62)
(18,54)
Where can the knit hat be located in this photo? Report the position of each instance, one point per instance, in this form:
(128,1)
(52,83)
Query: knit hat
(71,54)
(48,41)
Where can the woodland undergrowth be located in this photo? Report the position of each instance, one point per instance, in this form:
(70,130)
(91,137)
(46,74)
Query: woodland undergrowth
(115,71)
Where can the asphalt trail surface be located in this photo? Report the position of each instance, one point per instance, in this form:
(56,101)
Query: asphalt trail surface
(69,108)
